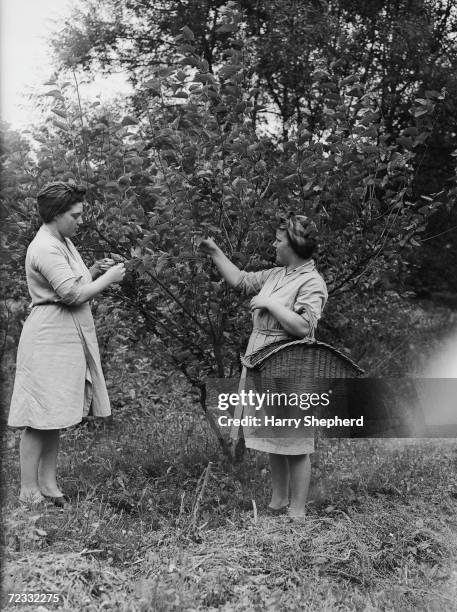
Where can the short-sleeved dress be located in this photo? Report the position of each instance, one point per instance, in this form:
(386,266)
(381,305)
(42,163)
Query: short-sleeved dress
(59,377)
(304,291)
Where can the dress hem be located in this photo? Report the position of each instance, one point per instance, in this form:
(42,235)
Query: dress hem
(41,428)
(264,448)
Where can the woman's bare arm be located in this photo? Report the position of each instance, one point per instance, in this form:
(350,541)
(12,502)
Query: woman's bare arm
(114,275)
(229,272)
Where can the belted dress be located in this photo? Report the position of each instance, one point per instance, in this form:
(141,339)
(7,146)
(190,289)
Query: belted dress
(302,290)
(59,377)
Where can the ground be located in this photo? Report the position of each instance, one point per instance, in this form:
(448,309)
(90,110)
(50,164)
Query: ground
(160,521)
(152,527)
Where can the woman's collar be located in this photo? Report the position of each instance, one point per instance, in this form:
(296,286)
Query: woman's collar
(306,266)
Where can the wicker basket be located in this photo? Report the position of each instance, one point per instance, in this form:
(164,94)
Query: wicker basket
(388,406)
(301,359)
(303,367)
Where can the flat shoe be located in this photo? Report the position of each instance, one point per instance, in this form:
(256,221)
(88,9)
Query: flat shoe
(277,511)
(301,518)
(60,501)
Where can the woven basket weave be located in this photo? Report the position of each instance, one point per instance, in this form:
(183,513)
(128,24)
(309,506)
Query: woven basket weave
(300,367)
(301,359)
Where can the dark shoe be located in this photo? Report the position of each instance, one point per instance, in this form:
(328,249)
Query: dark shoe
(277,511)
(62,501)
(300,518)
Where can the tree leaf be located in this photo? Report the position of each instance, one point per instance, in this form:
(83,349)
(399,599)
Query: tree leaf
(154,86)
(204,78)
(229,70)
(59,112)
(227,27)
(60,125)
(55,93)
(129,120)
(187,33)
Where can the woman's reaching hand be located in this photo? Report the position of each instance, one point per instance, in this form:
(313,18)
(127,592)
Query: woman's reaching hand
(227,269)
(115,273)
(101,266)
(208,246)
(105,264)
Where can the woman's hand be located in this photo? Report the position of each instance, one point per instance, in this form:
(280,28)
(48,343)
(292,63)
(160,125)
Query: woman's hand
(292,322)
(105,264)
(101,266)
(230,273)
(115,273)
(208,246)
(258,302)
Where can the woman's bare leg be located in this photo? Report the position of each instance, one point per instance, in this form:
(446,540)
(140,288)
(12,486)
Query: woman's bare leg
(31,447)
(47,469)
(300,476)
(280,481)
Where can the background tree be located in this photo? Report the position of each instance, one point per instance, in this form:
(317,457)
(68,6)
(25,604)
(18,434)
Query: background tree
(189,156)
(397,49)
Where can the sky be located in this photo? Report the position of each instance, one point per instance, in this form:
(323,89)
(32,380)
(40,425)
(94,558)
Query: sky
(25,58)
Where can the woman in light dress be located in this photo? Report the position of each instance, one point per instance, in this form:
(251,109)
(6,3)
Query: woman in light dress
(288,303)
(59,377)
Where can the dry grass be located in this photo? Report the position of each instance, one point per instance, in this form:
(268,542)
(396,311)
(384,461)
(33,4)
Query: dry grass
(152,528)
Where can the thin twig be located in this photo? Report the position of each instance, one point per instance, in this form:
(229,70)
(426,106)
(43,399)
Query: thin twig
(196,508)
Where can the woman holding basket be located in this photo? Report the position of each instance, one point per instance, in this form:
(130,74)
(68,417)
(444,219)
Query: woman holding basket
(287,304)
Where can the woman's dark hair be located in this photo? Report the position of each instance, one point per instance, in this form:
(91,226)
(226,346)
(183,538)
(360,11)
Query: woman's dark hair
(301,234)
(305,250)
(56,198)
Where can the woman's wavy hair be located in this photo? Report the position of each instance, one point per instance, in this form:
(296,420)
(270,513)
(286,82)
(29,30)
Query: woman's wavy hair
(57,198)
(301,234)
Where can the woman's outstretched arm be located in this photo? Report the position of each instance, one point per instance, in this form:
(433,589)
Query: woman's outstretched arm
(114,275)
(56,270)
(229,272)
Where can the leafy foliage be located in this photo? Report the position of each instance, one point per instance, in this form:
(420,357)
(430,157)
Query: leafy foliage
(188,158)
(189,162)
(398,51)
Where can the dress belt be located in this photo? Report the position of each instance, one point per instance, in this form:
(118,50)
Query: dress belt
(270,332)
(49,303)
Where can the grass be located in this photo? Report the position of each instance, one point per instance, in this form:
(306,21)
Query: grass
(146,531)
(160,521)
